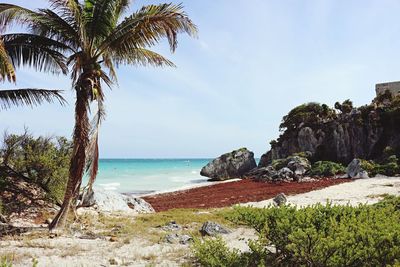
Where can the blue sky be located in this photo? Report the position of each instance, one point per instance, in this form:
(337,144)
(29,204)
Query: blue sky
(254,60)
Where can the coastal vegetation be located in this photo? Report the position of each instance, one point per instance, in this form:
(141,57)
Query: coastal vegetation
(89,40)
(340,134)
(319,235)
(42,161)
(327,168)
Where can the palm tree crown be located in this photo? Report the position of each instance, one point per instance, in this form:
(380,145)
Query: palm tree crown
(89,39)
(15,97)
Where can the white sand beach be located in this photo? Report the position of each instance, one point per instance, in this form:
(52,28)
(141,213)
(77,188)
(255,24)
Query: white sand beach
(361,191)
(78,251)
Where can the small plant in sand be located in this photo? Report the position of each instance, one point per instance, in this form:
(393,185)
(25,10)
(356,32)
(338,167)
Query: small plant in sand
(6,260)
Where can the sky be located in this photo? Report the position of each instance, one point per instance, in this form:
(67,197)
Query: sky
(254,61)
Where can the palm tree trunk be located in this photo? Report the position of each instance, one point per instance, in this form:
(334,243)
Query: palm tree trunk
(76,170)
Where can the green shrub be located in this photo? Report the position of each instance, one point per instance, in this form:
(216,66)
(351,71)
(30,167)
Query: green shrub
(215,253)
(304,154)
(368,166)
(327,168)
(345,107)
(42,160)
(306,114)
(320,235)
(6,261)
(279,163)
(390,167)
(388,152)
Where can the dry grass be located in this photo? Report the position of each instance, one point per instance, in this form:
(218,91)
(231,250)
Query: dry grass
(73,251)
(36,244)
(120,230)
(146,226)
(9,258)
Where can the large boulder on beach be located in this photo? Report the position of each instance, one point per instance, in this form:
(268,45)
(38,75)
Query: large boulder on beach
(235,164)
(110,201)
(355,169)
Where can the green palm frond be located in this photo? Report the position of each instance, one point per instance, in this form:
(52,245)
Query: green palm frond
(69,8)
(140,56)
(62,28)
(9,14)
(121,7)
(72,12)
(45,22)
(100,18)
(148,26)
(35,51)
(29,97)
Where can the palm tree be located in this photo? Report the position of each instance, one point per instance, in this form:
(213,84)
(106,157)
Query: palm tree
(95,39)
(31,97)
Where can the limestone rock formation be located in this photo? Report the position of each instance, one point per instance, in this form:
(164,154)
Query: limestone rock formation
(293,168)
(235,164)
(338,136)
(264,173)
(109,201)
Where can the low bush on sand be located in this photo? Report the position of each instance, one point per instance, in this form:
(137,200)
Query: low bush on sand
(319,235)
(327,168)
(390,166)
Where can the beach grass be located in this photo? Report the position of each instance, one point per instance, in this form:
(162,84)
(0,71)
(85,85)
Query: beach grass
(123,228)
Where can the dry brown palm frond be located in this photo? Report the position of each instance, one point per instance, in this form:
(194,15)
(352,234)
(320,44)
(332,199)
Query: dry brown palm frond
(6,68)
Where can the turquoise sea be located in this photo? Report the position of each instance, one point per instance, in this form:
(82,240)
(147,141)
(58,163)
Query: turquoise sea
(141,176)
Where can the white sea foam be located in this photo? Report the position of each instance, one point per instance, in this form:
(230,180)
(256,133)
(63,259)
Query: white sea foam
(110,186)
(178,178)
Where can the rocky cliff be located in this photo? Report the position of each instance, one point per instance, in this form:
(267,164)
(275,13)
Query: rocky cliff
(341,134)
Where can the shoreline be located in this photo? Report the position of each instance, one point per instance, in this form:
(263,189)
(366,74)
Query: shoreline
(185,187)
